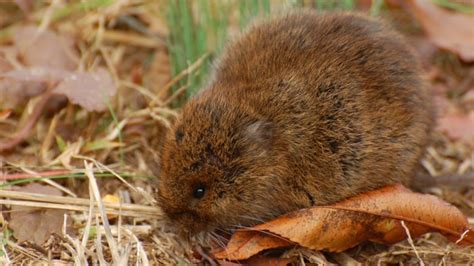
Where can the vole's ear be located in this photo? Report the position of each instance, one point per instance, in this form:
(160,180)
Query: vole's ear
(260,135)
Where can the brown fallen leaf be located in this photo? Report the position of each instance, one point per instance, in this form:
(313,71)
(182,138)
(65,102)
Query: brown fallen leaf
(377,216)
(37,74)
(41,52)
(447,29)
(25,5)
(33,224)
(50,59)
(91,90)
(457,125)
(260,261)
(24,131)
(245,244)
(14,92)
(4,114)
(45,48)
(469,97)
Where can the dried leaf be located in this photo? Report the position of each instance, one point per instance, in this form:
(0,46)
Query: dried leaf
(458,125)
(25,5)
(50,59)
(34,224)
(260,261)
(447,29)
(91,90)
(39,189)
(4,114)
(4,65)
(111,199)
(375,216)
(268,261)
(245,244)
(37,74)
(45,48)
(14,91)
(469,97)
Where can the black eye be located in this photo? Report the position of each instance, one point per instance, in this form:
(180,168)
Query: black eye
(199,191)
(179,135)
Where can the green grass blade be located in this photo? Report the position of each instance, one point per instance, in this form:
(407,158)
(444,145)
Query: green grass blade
(455,6)
(375,7)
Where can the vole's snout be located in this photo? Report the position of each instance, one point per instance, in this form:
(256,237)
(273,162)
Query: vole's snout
(185,217)
(187,222)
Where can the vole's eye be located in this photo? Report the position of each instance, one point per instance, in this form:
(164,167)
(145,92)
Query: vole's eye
(199,191)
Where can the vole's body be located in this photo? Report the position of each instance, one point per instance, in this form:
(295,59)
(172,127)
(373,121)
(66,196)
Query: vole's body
(302,109)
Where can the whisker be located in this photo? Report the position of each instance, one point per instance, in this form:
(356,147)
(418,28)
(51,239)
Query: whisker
(221,237)
(226,232)
(261,231)
(218,239)
(260,220)
(201,238)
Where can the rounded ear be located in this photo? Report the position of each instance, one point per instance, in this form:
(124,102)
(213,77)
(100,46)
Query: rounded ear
(260,135)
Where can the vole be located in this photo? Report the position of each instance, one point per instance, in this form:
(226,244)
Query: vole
(302,109)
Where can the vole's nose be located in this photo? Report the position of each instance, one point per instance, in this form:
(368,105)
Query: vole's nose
(187,216)
(190,222)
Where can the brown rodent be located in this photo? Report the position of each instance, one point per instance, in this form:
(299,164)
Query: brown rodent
(302,109)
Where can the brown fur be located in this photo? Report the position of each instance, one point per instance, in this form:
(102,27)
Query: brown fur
(305,108)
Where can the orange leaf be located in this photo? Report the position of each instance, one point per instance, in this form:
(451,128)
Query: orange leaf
(259,261)
(111,199)
(376,216)
(246,242)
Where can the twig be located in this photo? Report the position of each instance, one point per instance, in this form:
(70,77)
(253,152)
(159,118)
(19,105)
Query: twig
(132,39)
(35,175)
(75,204)
(51,183)
(462,236)
(175,95)
(412,244)
(24,132)
(74,208)
(177,78)
(98,244)
(103,166)
(105,221)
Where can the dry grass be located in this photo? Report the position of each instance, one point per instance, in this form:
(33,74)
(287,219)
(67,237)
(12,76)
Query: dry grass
(129,38)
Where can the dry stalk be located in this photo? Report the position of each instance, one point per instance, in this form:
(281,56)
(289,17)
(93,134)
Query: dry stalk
(75,204)
(108,233)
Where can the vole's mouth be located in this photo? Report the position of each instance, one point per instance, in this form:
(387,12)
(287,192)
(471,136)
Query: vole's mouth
(188,223)
(203,235)
(213,239)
